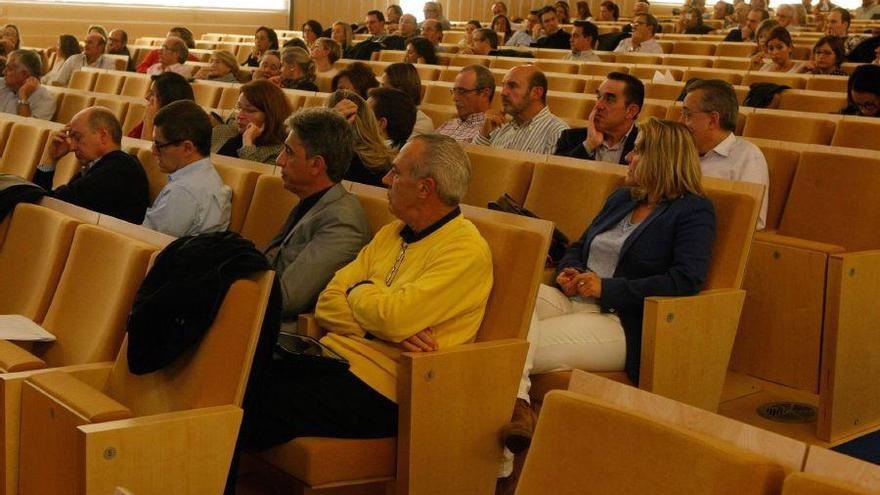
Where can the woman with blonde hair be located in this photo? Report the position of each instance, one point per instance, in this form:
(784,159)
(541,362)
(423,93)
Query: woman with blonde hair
(223,68)
(297,70)
(325,52)
(342,34)
(372,157)
(653,237)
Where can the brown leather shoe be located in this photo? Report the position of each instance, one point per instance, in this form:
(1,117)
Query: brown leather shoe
(517,435)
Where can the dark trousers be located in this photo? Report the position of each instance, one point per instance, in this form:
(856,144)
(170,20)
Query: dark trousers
(311,397)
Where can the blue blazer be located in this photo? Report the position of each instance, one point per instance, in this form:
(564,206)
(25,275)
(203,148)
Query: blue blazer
(666,255)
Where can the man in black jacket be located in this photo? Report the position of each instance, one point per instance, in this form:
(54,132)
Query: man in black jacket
(554,36)
(110,181)
(611,132)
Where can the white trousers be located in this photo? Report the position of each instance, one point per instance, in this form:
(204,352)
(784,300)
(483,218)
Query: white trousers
(571,333)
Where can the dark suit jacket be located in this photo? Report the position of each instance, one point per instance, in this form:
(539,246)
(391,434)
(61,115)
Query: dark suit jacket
(734,35)
(115,185)
(666,255)
(571,143)
(559,39)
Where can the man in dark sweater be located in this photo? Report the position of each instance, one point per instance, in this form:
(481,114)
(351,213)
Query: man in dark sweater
(110,181)
(554,36)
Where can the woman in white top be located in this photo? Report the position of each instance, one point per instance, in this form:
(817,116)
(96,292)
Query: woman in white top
(779,51)
(67,45)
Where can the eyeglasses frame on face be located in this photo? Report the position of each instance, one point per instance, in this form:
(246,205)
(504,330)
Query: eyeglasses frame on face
(159,147)
(462,91)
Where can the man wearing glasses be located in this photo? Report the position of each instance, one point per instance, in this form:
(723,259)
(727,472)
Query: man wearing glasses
(472,94)
(172,56)
(644,27)
(110,181)
(195,200)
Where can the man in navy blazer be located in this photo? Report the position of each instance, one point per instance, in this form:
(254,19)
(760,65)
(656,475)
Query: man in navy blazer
(611,132)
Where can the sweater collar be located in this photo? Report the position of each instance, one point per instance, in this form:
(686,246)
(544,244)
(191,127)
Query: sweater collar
(409,236)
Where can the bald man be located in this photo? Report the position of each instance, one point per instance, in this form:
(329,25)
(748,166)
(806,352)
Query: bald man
(92,56)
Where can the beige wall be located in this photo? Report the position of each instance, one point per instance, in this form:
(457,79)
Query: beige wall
(41,24)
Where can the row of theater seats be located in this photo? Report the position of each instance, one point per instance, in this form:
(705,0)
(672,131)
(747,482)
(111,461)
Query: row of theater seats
(800,118)
(671,448)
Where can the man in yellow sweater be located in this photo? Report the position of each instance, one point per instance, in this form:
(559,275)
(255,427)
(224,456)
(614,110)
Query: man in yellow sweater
(420,285)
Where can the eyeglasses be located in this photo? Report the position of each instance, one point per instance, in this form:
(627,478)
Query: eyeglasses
(688,114)
(159,146)
(868,105)
(462,91)
(636,24)
(169,48)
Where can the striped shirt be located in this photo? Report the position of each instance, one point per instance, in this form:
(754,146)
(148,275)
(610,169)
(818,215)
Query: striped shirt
(538,135)
(463,130)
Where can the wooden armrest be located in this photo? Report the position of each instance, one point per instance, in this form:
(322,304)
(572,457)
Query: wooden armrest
(452,405)
(148,455)
(307,324)
(83,399)
(794,242)
(13,358)
(686,345)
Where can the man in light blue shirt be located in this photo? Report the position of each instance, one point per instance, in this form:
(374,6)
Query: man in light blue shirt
(195,200)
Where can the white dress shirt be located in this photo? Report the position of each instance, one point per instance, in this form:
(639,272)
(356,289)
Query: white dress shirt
(647,46)
(77,62)
(737,159)
(42,102)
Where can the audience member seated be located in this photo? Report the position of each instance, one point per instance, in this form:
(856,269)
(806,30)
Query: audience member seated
(323,232)
(747,31)
(828,54)
(786,17)
(67,46)
(472,93)
(174,55)
(691,22)
(498,8)
(179,32)
(257,134)
(11,39)
(408,27)
(484,42)
(110,181)
(501,24)
(406,78)
(270,66)
(420,51)
(468,42)
(297,70)
(710,111)
(357,77)
(325,52)
(554,35)
(583,38)
(433,32)
(92,56)
(876,56)
(837,23)
(653,237)
(722,11)
(97,29)
(21,92)
(527,34)
(117,44)
(532,128)
(863,92)
(375,21)
(870,9)
(434,11)
(760,56)
(779,50)
(584,14)
(195,200)
(341,33)
(166,88)
(265,39)
(311,31)
(609,11)
(395,113)
(432,298)
(824,6)
(611,131)
(563,12)
(393,14)
(372,157)
(223,68)
(644,27)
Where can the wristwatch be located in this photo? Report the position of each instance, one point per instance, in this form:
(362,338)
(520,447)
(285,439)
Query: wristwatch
(23,102)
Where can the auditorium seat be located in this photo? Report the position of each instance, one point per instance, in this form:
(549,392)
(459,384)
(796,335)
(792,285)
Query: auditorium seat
(637,58)
(813,484)
(156,178)
(438,113)
(558,66)
(5,127)
(836,84)
(688,61)
(732,63)
(134,116)
(269,209)
(733,49)
(570,105)
(781,165)
(857,132)
(812,101)
(32,257)
(207,94)
(794,81)
(116,105)
(170,430)
(584,442)
(109,82)
(23,150)
(836,471)
(803,129)
(449,446)
(136,85)
(242,182)
(82,80)
(392,56)
(495,172)
(71,104)
(603,68)
(461,60)
(703,48)
(565,83)
(647,71)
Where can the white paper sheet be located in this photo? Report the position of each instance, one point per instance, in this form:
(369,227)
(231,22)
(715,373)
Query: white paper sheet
(17,327)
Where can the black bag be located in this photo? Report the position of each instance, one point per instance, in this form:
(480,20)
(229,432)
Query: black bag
(761,94)
(558,244)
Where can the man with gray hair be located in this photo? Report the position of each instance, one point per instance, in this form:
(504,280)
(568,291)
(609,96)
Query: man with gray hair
(422,284)
(328,227)
(472,93)
(172,56)
(21,92)
(92,56)
(710,110)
